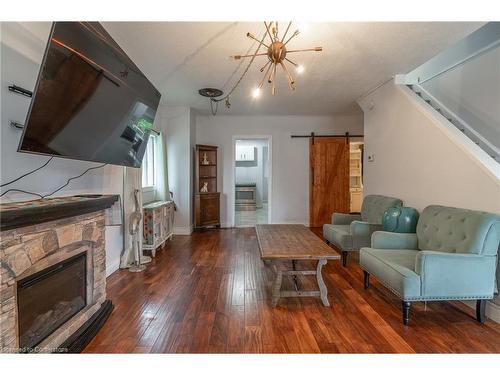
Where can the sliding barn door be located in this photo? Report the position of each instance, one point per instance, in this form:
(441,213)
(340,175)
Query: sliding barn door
(329,179)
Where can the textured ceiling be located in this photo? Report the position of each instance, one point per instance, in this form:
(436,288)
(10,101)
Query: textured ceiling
(182,57)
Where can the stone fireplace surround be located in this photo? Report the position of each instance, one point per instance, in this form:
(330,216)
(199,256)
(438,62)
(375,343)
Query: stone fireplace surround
(30,249)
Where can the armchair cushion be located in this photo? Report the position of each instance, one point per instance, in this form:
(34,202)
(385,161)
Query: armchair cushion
(344,219)
(374,206)
(394,268)
(456,276)
(457,230)
(339,235)
(390,240)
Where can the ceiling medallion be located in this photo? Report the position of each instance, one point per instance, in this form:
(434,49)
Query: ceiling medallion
(210,92)
(277,55)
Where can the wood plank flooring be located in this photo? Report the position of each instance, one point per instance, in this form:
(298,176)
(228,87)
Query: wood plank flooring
(208,293)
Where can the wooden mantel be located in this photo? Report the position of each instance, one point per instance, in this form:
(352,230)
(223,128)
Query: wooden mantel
(21,214)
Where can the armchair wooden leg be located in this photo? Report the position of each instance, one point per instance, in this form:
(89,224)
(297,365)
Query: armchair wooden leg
(366,279)
(344,258)
(481,310)
(406,312)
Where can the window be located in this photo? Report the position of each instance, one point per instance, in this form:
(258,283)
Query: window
(148,165)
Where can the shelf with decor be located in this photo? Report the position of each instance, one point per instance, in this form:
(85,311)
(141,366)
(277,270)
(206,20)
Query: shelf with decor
(356,175)
(206,197)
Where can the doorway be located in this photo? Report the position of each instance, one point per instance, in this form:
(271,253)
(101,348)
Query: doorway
(252,179)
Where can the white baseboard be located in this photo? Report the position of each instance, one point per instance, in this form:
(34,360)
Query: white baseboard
(183,231)
(112,267)
(228,225)
(492,310)
(294,222)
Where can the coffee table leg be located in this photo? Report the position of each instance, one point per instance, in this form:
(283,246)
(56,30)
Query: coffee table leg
(276,285)
(322,287)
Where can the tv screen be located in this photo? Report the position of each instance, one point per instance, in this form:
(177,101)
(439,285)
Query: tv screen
(91,102)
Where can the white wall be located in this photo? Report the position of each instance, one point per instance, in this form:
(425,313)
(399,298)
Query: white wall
(290,157)
(22,47)
(416,161)
(247,172)
(176,122)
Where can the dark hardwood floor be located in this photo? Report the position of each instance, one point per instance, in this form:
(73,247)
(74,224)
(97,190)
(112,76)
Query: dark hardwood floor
(209,293)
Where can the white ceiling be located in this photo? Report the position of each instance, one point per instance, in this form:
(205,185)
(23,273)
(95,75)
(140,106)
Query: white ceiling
(182,57)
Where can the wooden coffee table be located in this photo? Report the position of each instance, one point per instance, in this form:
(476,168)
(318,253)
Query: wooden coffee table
(281,243)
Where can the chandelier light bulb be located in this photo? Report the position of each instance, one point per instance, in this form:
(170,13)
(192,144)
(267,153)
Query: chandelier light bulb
(300,69)
(256,93)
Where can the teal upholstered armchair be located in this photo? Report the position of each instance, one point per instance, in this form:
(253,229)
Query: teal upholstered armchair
(453,256)
(350,232)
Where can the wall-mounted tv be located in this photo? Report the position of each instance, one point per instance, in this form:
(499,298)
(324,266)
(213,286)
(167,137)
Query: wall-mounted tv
(91,102)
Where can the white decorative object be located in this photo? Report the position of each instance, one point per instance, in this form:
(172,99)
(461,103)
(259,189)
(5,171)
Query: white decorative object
(135,221)
(205,159)
(204,188)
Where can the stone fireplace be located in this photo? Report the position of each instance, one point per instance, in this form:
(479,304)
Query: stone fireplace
(52,282)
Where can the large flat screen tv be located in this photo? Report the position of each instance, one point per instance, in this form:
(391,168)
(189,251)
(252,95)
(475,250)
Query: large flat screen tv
(91,102)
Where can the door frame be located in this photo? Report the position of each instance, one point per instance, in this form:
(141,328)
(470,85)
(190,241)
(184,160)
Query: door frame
(232,200)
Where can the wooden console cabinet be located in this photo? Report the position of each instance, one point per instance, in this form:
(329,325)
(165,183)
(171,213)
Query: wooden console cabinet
(158,224)
(206,197)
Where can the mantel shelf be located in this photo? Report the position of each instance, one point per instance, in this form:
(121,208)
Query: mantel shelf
(22,214)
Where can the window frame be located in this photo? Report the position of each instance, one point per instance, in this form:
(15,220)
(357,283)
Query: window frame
(150,188)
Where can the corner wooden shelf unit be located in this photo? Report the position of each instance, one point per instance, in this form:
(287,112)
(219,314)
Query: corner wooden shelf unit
(206,200)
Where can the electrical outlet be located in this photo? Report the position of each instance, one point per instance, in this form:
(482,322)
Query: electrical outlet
(371,157)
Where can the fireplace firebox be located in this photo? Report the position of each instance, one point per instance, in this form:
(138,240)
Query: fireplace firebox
(49,298)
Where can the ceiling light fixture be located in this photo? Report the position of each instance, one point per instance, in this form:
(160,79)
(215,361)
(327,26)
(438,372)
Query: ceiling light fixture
(277,55)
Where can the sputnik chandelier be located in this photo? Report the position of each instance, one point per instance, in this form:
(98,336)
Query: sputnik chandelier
(277,55)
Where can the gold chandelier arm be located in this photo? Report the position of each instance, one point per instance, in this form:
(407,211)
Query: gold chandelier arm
(289,76)
(264,67)
(237,57)
(273,91)
(265,74)
(295,33)
(251,36)
(316,49)
(286,31)
(268,32)
(291,62)
(270,78)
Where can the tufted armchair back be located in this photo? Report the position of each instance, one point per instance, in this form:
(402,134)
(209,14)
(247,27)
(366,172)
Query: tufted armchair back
(457,230)
(374,206)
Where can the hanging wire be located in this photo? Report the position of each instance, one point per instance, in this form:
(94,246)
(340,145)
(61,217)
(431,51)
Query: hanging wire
(224,98)
(28,173)
(56,190)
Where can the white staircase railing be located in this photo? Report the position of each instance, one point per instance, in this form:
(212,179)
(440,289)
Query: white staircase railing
(458,122)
